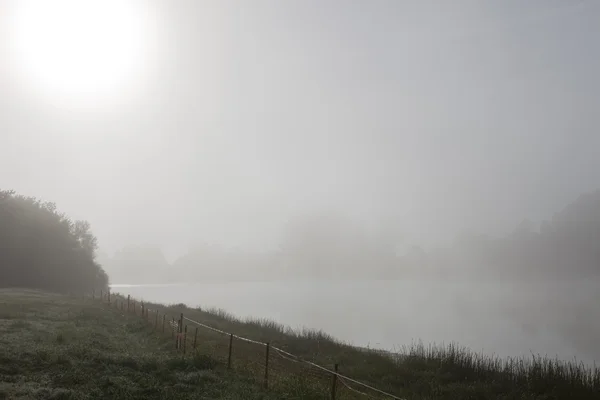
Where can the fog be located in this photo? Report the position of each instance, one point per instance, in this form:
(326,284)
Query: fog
(263,141)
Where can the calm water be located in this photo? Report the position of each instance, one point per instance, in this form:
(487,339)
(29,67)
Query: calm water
(508,319)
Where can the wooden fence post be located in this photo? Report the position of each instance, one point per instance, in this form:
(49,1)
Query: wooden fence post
(156,321)
(101,295)
(180,329)
(173,332)
(108,295)
(230,347)
(334,382)
(163,329)
(195,337)
(267,366)
(184,340)
(128,299)
(143,315)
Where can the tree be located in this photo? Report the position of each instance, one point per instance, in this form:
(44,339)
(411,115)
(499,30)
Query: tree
(42,248)
(332,245)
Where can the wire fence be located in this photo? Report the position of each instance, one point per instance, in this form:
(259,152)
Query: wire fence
(272,367)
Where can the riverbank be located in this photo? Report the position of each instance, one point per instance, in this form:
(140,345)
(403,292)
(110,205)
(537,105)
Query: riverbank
(415,371)
(60,347)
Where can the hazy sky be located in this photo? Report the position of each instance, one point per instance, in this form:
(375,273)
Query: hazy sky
(430,117)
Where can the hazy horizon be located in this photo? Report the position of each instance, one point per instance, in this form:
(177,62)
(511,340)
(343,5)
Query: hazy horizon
(424,119)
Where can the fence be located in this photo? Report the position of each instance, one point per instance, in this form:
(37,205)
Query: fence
(272,366)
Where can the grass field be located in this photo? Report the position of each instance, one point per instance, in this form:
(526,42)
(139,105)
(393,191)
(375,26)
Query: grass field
(57,347)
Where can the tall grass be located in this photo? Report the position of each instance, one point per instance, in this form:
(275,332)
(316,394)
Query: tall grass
(417,371)
(536,374)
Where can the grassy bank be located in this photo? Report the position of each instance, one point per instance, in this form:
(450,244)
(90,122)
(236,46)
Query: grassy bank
(65,348)
(55,347)
(416,372)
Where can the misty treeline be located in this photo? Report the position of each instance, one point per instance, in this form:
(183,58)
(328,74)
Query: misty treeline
(329,246)
(43,248)
(566,246)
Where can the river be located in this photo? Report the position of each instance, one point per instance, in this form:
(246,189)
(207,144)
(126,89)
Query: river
(504,318)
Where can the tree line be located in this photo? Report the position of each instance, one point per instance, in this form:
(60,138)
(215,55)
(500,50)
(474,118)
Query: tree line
(565,246)
(43,248)
(328,246)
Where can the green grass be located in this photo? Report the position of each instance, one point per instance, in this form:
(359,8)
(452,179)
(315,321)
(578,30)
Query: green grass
(415,372)
(58,347)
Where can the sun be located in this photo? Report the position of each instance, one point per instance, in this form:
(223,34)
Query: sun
(78,50)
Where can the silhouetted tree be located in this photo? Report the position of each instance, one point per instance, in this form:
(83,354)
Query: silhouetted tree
(42,248)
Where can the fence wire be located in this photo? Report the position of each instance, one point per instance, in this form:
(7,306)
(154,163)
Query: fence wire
(270,366)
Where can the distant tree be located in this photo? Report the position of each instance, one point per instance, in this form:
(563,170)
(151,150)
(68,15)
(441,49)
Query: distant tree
(566,246)
(330,244)
(42,248)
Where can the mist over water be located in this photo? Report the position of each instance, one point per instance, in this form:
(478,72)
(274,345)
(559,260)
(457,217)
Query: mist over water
(504,318)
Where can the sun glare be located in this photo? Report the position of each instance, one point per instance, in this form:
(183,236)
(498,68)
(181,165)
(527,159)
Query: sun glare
(78,50)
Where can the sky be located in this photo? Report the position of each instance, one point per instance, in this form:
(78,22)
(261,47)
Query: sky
(429,118)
